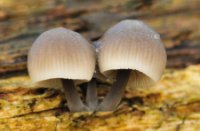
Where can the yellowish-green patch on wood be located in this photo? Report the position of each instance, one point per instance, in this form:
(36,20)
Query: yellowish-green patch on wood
(172,104)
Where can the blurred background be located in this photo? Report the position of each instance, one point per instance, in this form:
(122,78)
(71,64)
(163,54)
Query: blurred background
(22,21)
(173,104)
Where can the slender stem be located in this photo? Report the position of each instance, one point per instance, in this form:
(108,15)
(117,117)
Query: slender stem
(74,101)
(115,94)
(92,97)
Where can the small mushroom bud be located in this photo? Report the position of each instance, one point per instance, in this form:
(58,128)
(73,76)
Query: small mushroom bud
(59,58)
(133,54)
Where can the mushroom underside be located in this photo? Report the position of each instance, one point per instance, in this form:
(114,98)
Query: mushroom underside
(113,97)
(125,78)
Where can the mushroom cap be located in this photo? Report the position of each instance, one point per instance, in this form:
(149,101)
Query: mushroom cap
(133,45)
(60,53)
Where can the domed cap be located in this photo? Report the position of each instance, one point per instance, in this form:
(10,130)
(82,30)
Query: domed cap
(133,45)
(60,53)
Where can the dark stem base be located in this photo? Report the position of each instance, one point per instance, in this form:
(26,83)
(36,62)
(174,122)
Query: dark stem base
(74,101)
(92,96)
(113,98)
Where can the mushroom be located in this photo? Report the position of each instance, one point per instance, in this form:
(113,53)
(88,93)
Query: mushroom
(130,53)
(61,58)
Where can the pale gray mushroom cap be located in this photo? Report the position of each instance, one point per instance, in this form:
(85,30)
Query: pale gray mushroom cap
(60,53)
(131,44)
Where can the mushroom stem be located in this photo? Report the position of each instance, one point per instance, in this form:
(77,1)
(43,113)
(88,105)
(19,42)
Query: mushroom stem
(115,94)
(74,101)
(92,97)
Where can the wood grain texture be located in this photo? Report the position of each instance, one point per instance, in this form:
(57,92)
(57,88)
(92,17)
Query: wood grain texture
(173,104)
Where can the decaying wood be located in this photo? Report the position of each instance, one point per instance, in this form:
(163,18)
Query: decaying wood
(173,104)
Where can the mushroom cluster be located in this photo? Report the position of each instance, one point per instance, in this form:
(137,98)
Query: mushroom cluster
(130,53)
